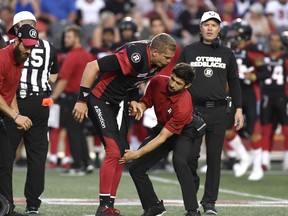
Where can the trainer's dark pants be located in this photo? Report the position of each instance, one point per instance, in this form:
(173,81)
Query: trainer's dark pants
(6,165)
(185,156)
(36,145)
(215,119)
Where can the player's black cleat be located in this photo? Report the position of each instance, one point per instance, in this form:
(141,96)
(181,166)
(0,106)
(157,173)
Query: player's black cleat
(209,208)
(156,210)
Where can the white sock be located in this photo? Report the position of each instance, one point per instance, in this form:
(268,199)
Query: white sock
(240,149)
(257,160)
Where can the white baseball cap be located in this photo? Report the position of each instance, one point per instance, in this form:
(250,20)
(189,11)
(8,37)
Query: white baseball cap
(23,15)
(210,15)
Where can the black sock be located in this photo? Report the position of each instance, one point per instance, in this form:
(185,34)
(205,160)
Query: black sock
(104,201)
(112,200)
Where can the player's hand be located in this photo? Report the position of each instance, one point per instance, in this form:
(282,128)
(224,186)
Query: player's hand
(129,155)
(23,122)
(135,109)
(80,111)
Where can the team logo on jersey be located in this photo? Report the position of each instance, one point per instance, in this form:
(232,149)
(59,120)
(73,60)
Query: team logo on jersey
(136,57)
(208,72)
(169,110)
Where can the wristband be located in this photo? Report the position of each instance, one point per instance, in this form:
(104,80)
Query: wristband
(17,115)
(83,94)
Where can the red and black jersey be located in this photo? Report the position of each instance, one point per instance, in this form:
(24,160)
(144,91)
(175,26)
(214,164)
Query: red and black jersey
(172,111)
(124,71)
(214,68)
(245,60)
(276,84)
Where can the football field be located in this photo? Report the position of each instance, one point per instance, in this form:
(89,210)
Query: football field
(78,196)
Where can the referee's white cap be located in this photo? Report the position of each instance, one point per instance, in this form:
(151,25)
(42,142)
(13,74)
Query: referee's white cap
(23,15)
(210,15)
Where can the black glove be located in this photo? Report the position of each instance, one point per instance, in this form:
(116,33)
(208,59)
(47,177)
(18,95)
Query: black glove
(4,206)
(198,124)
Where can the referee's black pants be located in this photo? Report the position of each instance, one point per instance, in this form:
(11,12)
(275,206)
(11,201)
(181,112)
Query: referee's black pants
(215,119)
(185,156)
(36,145)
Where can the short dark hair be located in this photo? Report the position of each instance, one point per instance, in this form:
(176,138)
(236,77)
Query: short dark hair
(184,71)
(163,41)
(75,29)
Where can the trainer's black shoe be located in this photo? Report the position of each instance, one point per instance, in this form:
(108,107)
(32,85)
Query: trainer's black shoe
(209,208)
(193,213)
(31,210)
(156,210)
(14,213)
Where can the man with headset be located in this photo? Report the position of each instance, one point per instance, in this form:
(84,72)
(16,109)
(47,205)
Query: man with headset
(215,67)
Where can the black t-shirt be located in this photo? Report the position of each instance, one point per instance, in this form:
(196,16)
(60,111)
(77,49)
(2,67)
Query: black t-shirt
(215,67)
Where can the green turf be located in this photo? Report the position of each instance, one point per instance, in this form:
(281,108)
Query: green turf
(272,189)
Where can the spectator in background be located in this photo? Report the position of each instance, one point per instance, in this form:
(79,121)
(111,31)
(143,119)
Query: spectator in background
(54,11)
(89,11)
(242,6)
(107,20)
(277,13)
(160,8)
(108,44)
(68,84)
(57,13)
(259,23)
(32,6)
(120,8)
(6,15)
(189,21)
(142,23)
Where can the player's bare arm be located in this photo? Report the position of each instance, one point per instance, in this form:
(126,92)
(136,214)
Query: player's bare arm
(150,146)
(90,73)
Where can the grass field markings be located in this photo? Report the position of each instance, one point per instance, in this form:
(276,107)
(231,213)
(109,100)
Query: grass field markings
(136,202)
(221,190)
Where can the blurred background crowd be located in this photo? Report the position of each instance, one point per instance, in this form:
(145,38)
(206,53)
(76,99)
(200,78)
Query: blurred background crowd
(108,24)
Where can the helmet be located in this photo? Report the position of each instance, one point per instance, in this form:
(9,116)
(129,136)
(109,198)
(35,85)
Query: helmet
(23,15)
(225,27)
(284,38)
(127,23)
(241,30)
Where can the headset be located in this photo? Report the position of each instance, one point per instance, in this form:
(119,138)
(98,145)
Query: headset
(215,43)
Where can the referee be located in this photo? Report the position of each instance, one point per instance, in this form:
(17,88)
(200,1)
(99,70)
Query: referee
(39,71)
(215,66)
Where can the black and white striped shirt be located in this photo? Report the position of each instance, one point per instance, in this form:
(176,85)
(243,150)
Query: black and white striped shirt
(37,69)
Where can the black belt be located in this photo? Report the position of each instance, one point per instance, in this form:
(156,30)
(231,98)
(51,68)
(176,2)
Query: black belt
(210,104)
(24,93)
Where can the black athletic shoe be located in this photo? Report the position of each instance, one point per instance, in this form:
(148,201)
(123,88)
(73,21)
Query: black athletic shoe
(193,213)
(156,210)
(209,208)
(13,213)
(31,210)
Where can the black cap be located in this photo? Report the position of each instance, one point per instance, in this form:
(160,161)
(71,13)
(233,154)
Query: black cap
(28,35)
